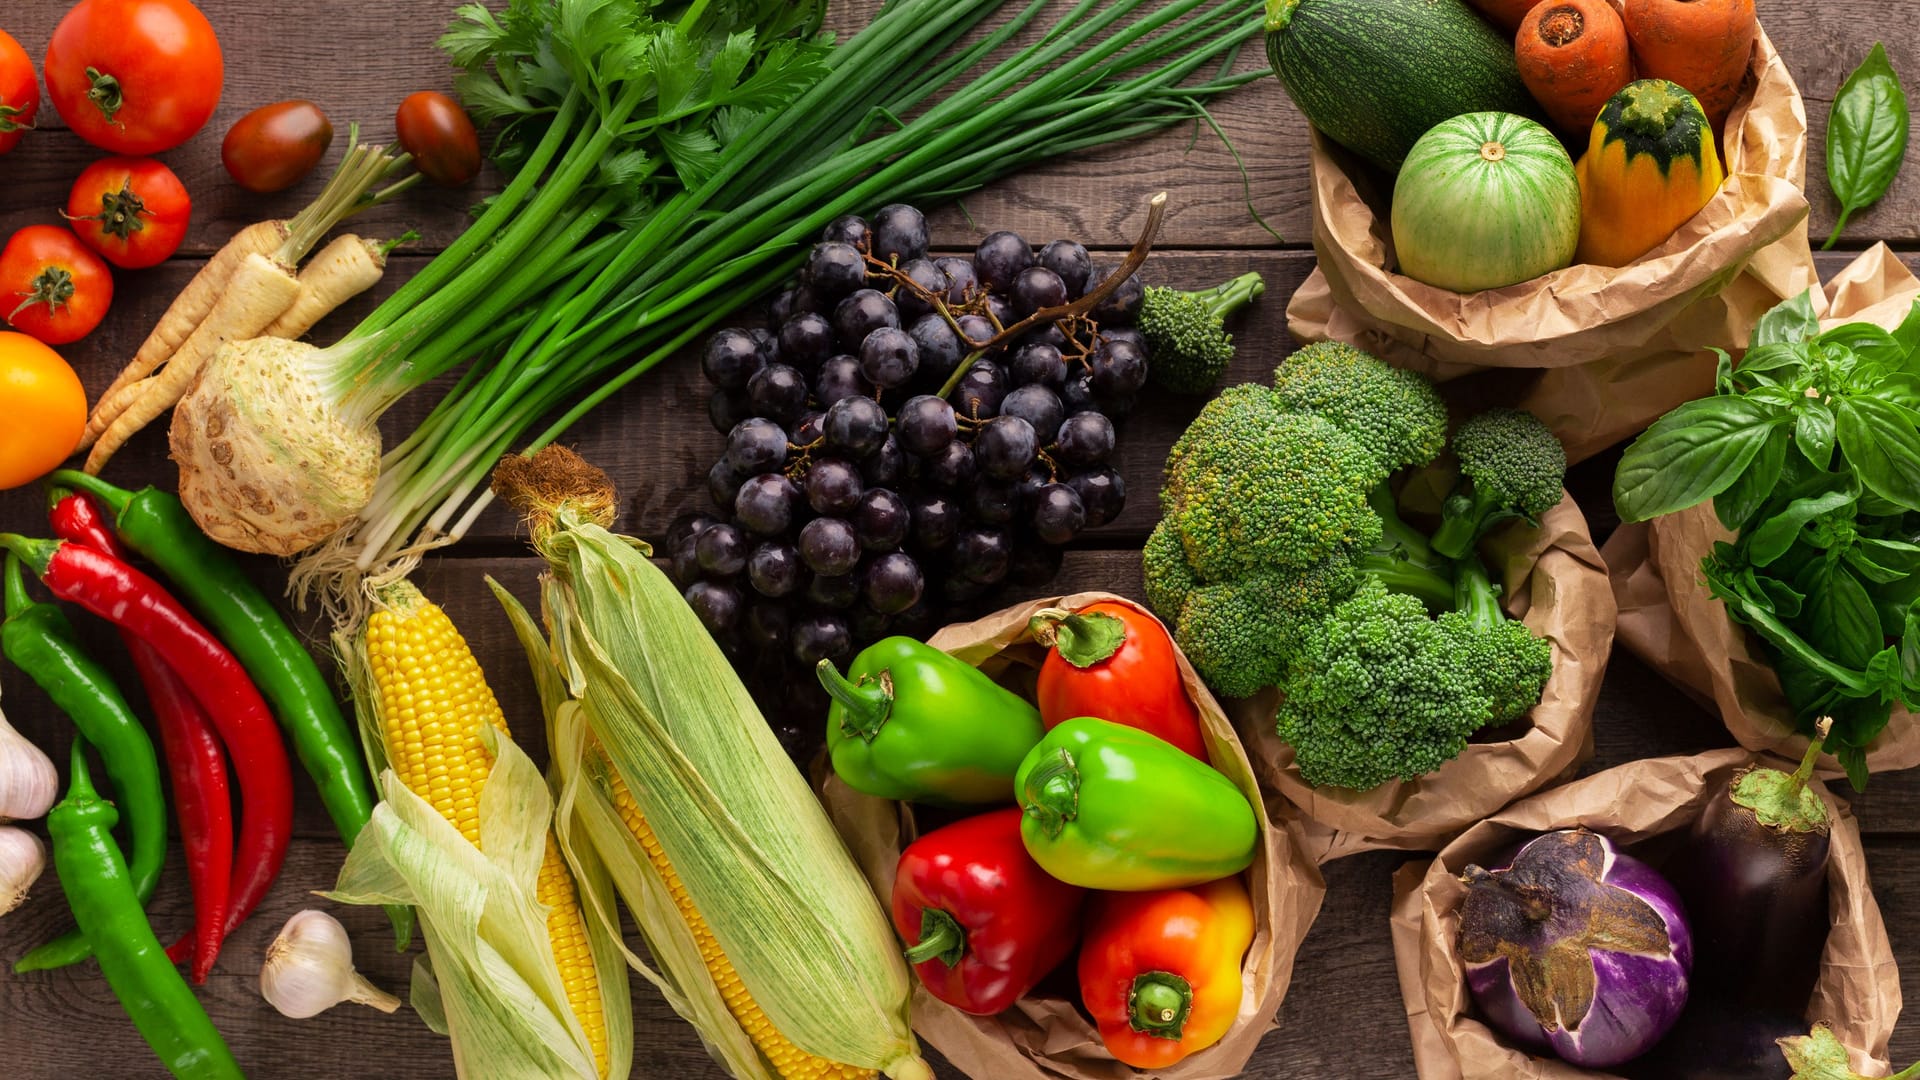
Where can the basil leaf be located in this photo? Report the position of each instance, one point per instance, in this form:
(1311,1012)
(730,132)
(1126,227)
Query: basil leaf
(1841,620)
(1774,536)
(1774,357)
(1854,760)
(1737,505)
(1869,342)
(1690,455)
(1901,389)
(1863,561)
(1813,432)
(1723,370)
(1910,652)
(1907,334)
(1790,321)
(1786,601)
(1879,440)
(1866,136)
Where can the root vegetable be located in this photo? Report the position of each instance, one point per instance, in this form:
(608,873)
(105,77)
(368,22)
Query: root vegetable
(1573,56)
(1704,45)
(341,271)
(1506,14)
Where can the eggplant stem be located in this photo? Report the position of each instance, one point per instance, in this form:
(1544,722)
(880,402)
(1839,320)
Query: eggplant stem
(1812,758)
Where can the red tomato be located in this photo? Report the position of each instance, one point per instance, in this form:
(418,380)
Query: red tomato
(1115,662)
(272,147)
(19,93)
(133,211)
(134,76)
(51,286)
(436,131)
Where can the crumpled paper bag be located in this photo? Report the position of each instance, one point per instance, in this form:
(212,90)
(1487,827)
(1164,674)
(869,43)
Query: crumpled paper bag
(1670,620)
(1552,579)
(1859,987)
(1614,348)
(1045,1037)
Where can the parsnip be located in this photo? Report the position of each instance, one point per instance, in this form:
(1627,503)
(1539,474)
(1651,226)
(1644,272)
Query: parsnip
(344,269)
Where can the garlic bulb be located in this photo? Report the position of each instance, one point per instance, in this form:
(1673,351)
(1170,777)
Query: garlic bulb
(309,969)
(22,859)
(28,783)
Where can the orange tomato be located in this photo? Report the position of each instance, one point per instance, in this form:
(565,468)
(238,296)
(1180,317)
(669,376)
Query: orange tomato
(46,409)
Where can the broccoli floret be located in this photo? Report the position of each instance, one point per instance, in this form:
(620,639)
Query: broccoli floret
(1188,346)
(1251,487)
(1168,577)
(1513,664)
(1397,415)
(1511,466)
(1239,635)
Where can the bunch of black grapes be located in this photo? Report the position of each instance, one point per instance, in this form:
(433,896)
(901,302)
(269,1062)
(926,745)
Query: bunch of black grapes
(893,455)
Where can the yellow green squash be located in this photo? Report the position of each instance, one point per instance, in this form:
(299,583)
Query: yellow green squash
(1650,165)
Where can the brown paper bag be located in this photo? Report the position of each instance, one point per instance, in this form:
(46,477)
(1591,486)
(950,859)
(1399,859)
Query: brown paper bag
(1670,620)
(1043,1037)
(1615,348)
(1555,582)
(1859,987)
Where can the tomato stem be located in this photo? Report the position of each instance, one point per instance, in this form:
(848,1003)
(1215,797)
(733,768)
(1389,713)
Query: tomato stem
(120,212)
(8,125)
(53,287)
(105,94)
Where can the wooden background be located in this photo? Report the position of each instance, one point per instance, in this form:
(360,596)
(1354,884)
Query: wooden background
(357,58)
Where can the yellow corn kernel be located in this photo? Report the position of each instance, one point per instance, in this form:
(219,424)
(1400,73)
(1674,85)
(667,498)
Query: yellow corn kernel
(434,700)
(789,1061)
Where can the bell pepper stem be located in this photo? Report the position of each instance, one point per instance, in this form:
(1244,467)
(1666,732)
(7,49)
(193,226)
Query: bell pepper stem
(115,497)
(1159,1004)
(866,705)
(1082,638)
(942,938)
(1052,795)
(36,554)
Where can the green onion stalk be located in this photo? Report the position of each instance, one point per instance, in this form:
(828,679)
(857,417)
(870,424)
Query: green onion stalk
(562,292)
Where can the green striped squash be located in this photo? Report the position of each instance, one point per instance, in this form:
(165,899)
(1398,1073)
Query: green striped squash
(1375,75)
(1485,200)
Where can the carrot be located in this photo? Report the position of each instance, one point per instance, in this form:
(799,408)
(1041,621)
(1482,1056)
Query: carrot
(341,271)
(258,293)
(1506,14)
(1704,45)
(1573,57)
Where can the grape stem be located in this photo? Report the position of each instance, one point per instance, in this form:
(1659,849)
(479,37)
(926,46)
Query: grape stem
(1156,213)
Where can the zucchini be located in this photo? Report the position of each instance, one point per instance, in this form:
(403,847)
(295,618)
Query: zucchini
(1375,75)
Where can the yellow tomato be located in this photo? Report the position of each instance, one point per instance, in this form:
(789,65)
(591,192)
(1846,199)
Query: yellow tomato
(46,410)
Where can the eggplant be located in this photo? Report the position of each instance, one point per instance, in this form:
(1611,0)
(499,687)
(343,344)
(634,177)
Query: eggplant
(1753,875)
(1576,948)
(1717,1039)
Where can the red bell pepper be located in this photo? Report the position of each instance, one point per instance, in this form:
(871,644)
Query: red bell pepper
(1117,663)
(983,923)
(1160,971)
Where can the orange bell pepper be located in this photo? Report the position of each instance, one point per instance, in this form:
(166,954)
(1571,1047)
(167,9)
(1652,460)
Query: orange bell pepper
(1160,971)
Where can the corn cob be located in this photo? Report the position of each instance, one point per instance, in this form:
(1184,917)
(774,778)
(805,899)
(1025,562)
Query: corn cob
(434,700)
(789,1061)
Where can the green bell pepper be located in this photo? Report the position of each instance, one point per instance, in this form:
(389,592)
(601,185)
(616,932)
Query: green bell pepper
(1112,807)
(919,725)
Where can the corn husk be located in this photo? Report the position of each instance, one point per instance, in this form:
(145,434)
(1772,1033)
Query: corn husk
(489,979)
(753,848)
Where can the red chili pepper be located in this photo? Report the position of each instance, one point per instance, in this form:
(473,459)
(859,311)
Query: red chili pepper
(1117,663)
(982,921)
(130,599)
(196,763)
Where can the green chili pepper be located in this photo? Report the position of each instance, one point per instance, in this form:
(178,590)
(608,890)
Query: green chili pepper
(41,642)
(1112,807)
(105,904)
(919,725)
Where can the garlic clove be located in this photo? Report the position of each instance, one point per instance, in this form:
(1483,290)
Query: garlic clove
(23,858)
(309,969)
(28,782)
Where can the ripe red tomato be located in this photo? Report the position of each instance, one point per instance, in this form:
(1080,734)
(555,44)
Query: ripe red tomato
(272,147)
(19,93)
(51,286)
(134,76)
(436,131)
(133,211)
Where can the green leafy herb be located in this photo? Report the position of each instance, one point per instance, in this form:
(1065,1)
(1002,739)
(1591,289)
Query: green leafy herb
(1825,564)
(1866,136)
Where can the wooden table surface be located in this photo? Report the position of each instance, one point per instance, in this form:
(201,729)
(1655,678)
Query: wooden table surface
(357,58)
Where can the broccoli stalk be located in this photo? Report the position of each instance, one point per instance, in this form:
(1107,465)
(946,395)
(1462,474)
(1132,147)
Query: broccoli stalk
(1511,466)
(1188,346)
(1403,560)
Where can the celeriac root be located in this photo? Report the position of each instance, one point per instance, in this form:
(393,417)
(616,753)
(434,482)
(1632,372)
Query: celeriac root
(341,271)
(260,290)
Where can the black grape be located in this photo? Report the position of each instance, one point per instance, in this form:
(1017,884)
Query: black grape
(899,233)
(726,408)
(717,604)
(822,637)
(723,484)
(835,269)
(730,359)
(1000,258)
(1005,446)
(936,519)
(778,392)
(774,569)
(847,229)
(755,446)
(833,486)
(829,547)
(856,425)
(892,583)
(1038,363)
(839,378)
(880,520)
(925,425)
(861,314)
(1058,514)
(834,591)
(961,280)
(806,339)
(982,555)
(1085,438)
(1037,287)
(722,550)
(1102,493)
(765,504)
(1039,407)
(1071,261)
(889,357)
(924,273)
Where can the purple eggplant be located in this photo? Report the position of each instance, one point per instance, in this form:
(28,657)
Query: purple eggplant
(1576,948)
(1754,878)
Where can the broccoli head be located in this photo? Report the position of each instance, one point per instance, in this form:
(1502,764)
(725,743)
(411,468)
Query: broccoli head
(1251,487)
(1397,415)
(1168,577)
(1239,634)
(1513,664)
(1511,466)
(1187,342)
